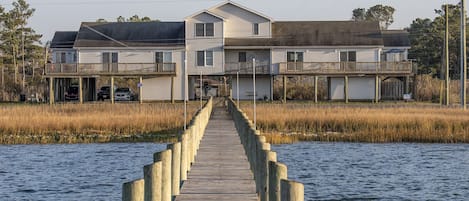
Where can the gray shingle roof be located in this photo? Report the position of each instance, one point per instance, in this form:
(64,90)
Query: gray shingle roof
(396,38)
(63,39)
(317,33)
(132,34)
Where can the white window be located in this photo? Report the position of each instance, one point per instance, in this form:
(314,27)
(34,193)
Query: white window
(348,56)
(163,57)
(204,58)
(204,29)
(255,29)
(294,56)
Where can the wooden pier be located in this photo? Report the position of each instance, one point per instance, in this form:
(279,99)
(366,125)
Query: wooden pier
(221,156)
(221,170)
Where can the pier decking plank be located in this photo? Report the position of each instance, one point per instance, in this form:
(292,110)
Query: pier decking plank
(221,170)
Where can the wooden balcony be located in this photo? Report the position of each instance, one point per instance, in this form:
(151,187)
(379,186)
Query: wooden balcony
(117,69)
(262,68)
(345,68)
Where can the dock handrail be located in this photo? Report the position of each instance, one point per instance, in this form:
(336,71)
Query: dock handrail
(272,183)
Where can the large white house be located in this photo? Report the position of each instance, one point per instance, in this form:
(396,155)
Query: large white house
(222,43)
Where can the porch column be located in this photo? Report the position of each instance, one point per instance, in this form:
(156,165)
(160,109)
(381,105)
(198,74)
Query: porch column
(271,88)
(284,89)
(80,89)
(112,89)
(407,84)
(376,89)
(140,96)
(51,91)
(346,89)
(172,90)
(316,89)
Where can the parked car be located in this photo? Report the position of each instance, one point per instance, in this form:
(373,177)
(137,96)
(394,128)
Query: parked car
(124,94)
(105,92)
(71,93)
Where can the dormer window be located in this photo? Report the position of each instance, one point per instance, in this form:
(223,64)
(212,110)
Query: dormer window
(204,29)
(255,29)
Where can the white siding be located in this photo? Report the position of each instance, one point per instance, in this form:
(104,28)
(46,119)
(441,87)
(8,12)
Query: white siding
(246,88)
(239,22)
(360,88)
(90,56)
(194,44)
(232,56)
(159,88)
(124,56)
(70,55)
(320,55)
(368,55)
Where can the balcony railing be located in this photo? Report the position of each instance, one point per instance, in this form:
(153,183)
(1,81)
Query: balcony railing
(404,67)
(111,68)
(262,67)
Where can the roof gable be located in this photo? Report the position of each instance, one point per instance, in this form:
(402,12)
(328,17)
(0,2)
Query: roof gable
(204,12)
(229,2)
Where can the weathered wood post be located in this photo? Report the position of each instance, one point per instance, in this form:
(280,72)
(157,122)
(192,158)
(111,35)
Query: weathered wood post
(184,156)
(263,170)
(51,91)
(292,191)
(112,89)
(346,89)
(376,88)
(140,90)
(80,89)
(176,167)
(172,89)
(165,158)
(277,172)
(316,89)
(284,89)
(152,175)
(133,191)
(271,156)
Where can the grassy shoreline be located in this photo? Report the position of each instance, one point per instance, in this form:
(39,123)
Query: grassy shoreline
(288,123)
(91,123)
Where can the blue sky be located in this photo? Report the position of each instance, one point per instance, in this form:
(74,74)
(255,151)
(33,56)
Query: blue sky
(66,15)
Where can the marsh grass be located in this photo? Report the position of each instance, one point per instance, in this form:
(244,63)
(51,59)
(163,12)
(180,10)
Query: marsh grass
(89,123)
(287,123)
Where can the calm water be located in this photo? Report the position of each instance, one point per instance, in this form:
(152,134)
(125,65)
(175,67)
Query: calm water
(71,172)
(330,171)
(345,171)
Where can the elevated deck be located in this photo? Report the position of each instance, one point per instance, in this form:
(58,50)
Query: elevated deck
(110,69)
(221,169)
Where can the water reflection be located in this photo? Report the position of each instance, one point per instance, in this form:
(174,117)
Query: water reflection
(353,171)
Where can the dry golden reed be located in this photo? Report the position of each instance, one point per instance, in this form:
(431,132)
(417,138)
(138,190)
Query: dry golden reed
(286,123)
(71,123)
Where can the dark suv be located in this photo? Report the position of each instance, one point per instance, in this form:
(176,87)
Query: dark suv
(71,93)
(105,93)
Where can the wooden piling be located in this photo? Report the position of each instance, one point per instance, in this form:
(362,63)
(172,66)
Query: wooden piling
(176,167)
(346,89)
(277,172)
(133,191)
(152,175)
(184,156)
(292,191)
(165,157)
(80,89)
(51,91)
